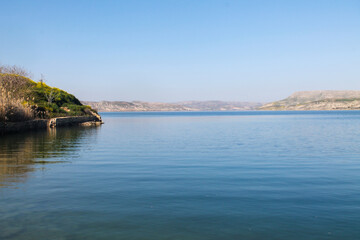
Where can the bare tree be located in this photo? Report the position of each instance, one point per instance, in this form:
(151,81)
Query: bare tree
(14,70)
(14,84)
(42,79)
(51,96)
(13,90)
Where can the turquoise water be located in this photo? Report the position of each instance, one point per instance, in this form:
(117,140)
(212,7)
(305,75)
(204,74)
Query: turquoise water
(228,175)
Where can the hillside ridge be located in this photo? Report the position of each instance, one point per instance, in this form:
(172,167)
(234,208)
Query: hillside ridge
(318,100)
(123,106)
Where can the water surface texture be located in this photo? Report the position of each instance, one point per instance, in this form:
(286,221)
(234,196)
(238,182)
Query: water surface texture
(227,175)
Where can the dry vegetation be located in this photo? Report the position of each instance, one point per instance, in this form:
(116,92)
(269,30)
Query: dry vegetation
(13,106)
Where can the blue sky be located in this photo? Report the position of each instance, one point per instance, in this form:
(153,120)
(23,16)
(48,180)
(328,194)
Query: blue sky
(185,50)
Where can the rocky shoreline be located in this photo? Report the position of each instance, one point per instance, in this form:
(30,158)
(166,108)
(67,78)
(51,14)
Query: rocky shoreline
(13,127)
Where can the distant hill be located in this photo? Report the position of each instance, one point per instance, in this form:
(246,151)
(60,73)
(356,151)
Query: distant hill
(219,105)
(122,106)
(317,100)
(136,106)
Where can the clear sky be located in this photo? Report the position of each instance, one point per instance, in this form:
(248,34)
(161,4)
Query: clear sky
(185,49)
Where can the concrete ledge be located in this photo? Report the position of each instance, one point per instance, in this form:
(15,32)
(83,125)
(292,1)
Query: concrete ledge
(68,121)
(11,127)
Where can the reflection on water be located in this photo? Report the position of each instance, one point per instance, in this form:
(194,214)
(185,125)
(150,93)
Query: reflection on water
(23,153)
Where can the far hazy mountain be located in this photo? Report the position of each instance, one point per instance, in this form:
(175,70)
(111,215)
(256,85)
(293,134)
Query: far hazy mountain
(317,100)
(137,106)
(219,105)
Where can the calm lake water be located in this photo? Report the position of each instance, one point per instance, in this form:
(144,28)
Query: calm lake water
(227,175)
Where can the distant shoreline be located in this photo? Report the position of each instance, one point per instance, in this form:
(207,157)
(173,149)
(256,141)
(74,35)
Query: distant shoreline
(326,100)
(331,110)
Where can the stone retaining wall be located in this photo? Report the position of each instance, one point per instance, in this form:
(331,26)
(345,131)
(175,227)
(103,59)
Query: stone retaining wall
(9,127)
(66,121)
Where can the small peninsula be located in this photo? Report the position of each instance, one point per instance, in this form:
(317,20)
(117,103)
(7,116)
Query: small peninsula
(26,104)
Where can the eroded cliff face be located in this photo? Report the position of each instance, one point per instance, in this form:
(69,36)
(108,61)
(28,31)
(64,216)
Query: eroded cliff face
(317,100)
